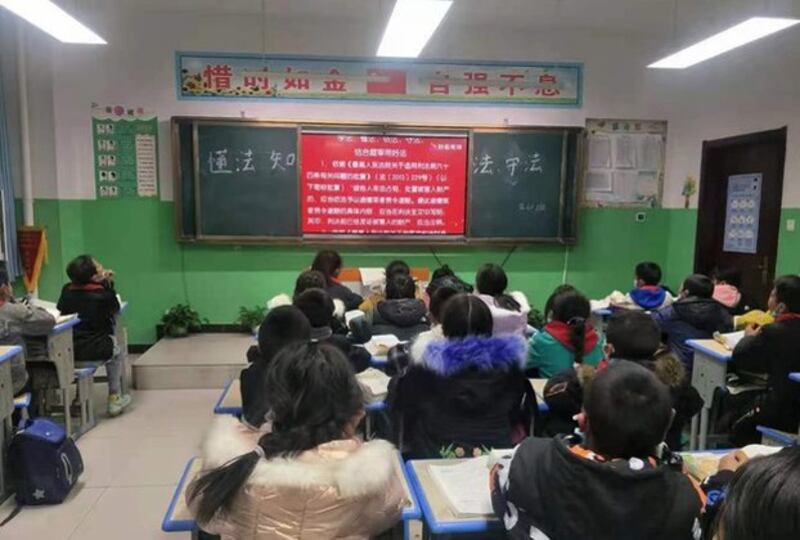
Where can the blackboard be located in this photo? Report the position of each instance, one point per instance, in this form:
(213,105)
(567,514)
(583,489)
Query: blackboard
(246,180)
(522,184)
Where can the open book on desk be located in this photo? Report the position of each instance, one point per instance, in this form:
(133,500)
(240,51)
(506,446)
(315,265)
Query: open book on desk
(465,486)
(51,308)
(730,340)
(703,464)
(375,384)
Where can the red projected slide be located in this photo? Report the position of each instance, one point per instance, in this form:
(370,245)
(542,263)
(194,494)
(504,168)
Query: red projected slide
(383,185)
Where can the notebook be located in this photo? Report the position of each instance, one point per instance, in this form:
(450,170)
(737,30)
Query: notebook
(465,486)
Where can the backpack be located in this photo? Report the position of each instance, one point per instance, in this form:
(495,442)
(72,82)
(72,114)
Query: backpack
(44,463)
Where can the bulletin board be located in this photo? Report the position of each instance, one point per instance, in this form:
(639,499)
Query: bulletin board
(625,163)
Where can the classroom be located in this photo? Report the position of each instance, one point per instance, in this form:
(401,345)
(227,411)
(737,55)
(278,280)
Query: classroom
(414,269)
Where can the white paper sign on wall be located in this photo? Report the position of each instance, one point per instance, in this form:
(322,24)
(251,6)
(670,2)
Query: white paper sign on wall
(742,215)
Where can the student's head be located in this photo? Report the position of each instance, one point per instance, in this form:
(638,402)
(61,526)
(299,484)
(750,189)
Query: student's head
(632,335)
(548,305)
(491,279)
(763,499)
(442,271)
(82,269)
(282,325)
(396,267)
(697,285)
(328,263)
(573,309)
(466,315)
(647,273)
(627,411)
(400,286)
(728,276)
(310,279)
(785,295)
(317,306)
(439,299)
(314,399)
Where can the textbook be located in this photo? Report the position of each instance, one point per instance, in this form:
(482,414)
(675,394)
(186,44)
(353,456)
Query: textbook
(375,384)
(730,340)
(465,485)
(380,345)
(701,465)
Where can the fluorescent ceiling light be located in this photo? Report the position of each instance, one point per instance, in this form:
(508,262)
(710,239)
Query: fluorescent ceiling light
(411,25)
(736,36)
(53,20)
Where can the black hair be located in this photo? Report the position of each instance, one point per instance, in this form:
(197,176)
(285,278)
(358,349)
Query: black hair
(81,269)
(310,279)
(629,411)
(763,499)
(439,299)
(492,280)
(730,275)
(317,306)
(400,286)
(699,285)
(313,394)
(281,326)
(572,308)
(787,291)
(649,272)
(396,267)
(442,271)
(328,263)
(634,335)
(466,315)
(548,306)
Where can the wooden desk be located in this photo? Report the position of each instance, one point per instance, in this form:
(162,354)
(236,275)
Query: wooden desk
(178,518)
(709,372)
(6,410)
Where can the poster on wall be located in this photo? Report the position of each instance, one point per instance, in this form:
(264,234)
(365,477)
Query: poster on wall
(125,142)
(624,163)
(742,214)
(254,76)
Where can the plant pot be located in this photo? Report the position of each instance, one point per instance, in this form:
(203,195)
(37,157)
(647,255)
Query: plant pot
(177,331)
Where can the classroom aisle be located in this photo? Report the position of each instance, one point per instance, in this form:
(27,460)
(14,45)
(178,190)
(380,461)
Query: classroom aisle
(132,464)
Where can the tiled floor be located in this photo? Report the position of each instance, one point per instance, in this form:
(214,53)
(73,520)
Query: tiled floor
(132,464)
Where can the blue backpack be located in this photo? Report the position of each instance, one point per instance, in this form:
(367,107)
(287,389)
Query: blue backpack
(44,463)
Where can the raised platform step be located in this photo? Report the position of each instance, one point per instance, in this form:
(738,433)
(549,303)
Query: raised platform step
(197,361)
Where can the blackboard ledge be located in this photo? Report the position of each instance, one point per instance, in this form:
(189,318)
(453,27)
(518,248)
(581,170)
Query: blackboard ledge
(370,240)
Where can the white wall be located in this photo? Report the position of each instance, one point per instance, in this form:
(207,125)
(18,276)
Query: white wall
(753,89)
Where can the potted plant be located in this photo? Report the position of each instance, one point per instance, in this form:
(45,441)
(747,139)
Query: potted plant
(250,318)
(179,320)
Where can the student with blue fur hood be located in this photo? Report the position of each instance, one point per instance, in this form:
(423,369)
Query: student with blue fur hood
(467,393)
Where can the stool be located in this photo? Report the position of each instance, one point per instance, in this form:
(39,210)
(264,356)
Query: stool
(21,404)
(84,380)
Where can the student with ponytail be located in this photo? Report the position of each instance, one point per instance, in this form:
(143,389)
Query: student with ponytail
(309,475)
(568,338)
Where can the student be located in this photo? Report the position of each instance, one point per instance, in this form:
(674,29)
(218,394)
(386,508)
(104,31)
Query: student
(19,321)
(509,311)
(726,289)
(438,301)
(91,295)
(610,485)
(647,292)
(400,314)
(282,326)
(378,294)
(445,277)
(467,393)
(694,315)
(568,338)
(774,350)
(317,306)
(310,476)
(329,264)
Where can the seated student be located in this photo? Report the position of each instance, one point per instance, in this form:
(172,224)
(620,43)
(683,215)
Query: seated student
(445,277)
(774,350)
(568,338)
(647,292)
(91,295)
(609,486)
(310,476)
(509,311)
(467,393)
(694,315)
(400,314)
(317,306)
(19,321)
(378,294)
(282,326)
(329,264)
(726,289)
(438,300)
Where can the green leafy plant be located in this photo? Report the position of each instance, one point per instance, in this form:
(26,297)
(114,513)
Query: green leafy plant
(250,318)
(181,319)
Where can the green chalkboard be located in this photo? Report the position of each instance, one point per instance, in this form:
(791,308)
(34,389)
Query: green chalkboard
(522,185)
(246,180)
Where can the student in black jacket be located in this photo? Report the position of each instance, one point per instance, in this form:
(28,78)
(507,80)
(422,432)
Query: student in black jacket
(91,295)
(318,308)
(282,326)
(400,314)
(329,264)
(774,350)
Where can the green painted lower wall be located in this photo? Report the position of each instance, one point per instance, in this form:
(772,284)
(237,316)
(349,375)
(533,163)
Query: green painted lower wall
(136,239)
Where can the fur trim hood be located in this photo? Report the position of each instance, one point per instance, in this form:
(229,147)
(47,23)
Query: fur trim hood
(352,466)
(450,356)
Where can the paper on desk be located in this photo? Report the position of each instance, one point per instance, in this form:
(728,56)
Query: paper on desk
(729,341)
(465,485)
(380,345)
(51,308)
(352,314)
(375,384)
(703,464)
(371,276)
